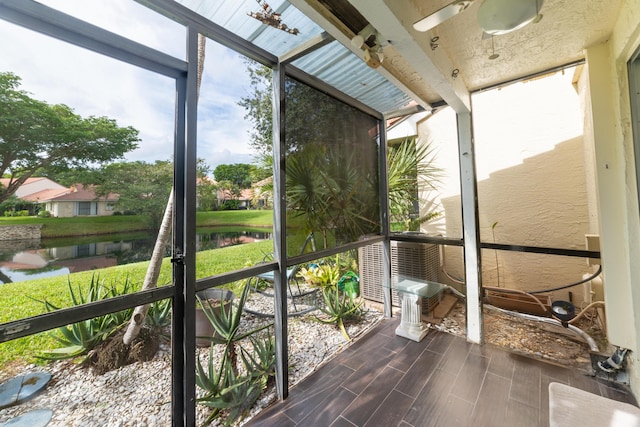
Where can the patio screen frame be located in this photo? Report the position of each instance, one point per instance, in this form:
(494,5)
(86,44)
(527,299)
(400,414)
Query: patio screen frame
(53,23)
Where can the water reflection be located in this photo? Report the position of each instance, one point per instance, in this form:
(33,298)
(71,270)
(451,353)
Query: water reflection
(27,260)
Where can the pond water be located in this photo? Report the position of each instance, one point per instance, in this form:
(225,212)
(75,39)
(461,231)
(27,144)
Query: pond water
(27,260)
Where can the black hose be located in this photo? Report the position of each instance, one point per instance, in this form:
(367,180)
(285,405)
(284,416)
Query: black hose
(571,285)
(559,288)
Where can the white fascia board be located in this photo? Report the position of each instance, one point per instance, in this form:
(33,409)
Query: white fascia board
(434,66)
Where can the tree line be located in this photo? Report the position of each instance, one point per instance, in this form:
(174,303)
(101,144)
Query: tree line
(38,139)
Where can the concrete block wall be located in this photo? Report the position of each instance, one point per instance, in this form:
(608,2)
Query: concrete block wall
(20,232)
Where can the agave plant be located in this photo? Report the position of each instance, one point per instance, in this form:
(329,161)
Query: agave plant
(339,307)
(80,337)
(226,390)
(159,318)
(261,361)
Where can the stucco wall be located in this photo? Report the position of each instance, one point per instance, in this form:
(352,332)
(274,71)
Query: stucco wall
(102,209)
(535,181)
(62,209)
(542,202)
(608,99)
(68,209)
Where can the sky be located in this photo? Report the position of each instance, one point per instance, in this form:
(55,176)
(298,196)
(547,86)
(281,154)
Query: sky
(92,84)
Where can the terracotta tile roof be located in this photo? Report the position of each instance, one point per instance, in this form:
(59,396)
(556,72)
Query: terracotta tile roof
(45,195)
(5,181)
(77,193)
(264,182)
(246,194)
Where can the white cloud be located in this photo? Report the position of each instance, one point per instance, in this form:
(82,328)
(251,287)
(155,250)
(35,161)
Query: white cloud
(92,84)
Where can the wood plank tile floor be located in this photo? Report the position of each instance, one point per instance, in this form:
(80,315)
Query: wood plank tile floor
(385,380)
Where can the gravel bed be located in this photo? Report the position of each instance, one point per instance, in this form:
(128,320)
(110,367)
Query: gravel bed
(140,394)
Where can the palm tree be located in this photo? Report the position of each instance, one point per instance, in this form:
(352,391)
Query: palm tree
(330,193)
(411,171)
(153,271)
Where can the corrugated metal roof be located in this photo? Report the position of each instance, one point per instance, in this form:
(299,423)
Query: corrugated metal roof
(334,64)
(234,16)
(342,69)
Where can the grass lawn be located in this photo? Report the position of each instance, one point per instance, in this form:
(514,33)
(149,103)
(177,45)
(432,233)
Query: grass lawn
(262,218)
(17,298)
(92,225)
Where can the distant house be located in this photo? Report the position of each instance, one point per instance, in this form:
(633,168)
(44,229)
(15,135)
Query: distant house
(75,201)
(243,201)
(254,197)
(262,193)
(259,196)
(33,185)
(61,201)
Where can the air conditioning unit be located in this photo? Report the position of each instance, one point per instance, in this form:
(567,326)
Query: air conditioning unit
(409,260)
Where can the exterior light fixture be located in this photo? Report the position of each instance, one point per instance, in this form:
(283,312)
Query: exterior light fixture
(368,40)
(497,17)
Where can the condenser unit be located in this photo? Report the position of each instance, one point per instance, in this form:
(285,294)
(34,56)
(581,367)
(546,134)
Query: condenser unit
(409,260)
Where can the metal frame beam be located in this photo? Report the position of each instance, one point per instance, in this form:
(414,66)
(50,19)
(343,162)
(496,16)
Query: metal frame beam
(280,232)
(178,324)
(61,26)
(385,219)
(186,176)
(305,48)
(186,16)
(55,319)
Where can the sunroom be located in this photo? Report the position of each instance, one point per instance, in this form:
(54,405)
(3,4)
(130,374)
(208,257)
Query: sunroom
(337,74)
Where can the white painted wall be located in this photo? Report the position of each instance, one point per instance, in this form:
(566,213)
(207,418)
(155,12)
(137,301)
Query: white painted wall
(609,100)
(531,181)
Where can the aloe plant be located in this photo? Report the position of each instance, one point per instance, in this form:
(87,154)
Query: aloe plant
(261,362)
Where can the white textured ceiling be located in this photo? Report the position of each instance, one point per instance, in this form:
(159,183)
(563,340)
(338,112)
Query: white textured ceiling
(567,28)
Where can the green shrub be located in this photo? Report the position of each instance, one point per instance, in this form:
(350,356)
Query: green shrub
(44,214)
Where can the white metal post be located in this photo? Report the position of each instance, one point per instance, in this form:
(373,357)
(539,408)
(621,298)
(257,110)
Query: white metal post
(471,229)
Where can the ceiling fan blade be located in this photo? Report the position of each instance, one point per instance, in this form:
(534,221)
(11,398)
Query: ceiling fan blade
(441,15)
